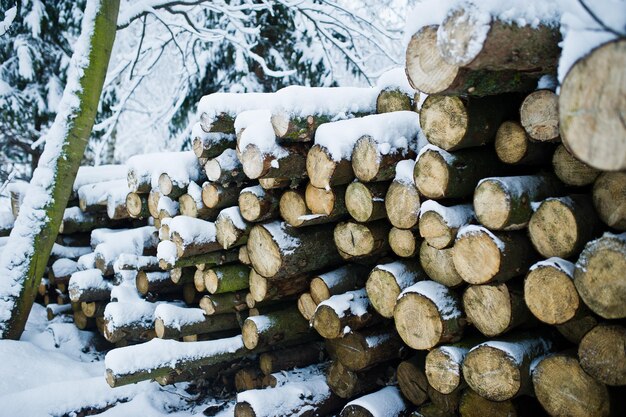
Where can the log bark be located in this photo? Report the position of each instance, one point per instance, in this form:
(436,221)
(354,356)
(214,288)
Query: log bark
(504,203)
(285,359)
(601,353)
(259,164)
(306,305)
(438,224)
(482,257)
(342,313)
(172,327)
(404,242)
(346,278)
(428,314)
(392,99)
(371,165)
(402,203)
(599,276)
(500,370)
(357,240)
(570,170)
(576,328)
(412,380)
(294,211)
(347,384)
(211,145)
(295,129)
(559,378)
(539,115)
(226,278)
(366,201)
(265,289)
(137,205)
(257,204)
(495,309)
(609,199)
(387,281)
(386,401)
(513,146)
(440,174)
(590,119)
(283,326)
(216,196)
(231,229)
(560,227)
(324,172)
(229,302)
(277,250)
(225,169)
(222,122)
(469,44)
(454,122)
(75,221)
(360,350)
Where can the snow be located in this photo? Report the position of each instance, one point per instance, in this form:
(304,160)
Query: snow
(86,261)
(131,241)
(124,314)
(402,271)
(181,167)
(212,138)
(6,220)
(70,252)
(516,187)
(455,353)
(395,79)
(176,317)
(234,214)
(518,349)
(117,198)
(168,205)
(558,263)
(439,294)
(97,194)
(404,172)
(64,267)
(395,128)
(285,242)
(376,339)
(258,132)
(453,216)
(94,174)
(9,15)
(473,229)
(81,281)
(139,262)
(257,190)
(191,229)
(166,250)
(227,161)
(382,403)
(336,276)
(351,302)
(195,192)
(159,353)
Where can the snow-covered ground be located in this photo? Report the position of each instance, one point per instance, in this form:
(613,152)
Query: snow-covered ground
(55,370)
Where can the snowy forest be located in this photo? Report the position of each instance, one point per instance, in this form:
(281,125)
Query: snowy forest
(348,208)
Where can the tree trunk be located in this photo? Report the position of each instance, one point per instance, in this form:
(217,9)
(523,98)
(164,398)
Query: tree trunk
(599,276)
(360,240)
(366,201)
(404,242)
(513,146)
(23,261)
(539,115)
(560,227)
(387,281)
(324,172)
(609,199)
(412,380)
(370,164)
(402,203)
(601,353)
(439,224)
(257,204)
(591,120)
(347,278)
(570,170)
(360,350)
(439,265)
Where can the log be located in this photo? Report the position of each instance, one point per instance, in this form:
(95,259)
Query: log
(440,174)
(393,99)
(289,163)
(570,170)
(211,145)
(213,258)
(191,297)
(264,289)
(325,172)
(539,115)
(453,122)
(500,370)
(92,198)
(550,292)
(294,211)
(277,250)
(137,205)
(229,302)
(56,310)
(342,313)
(347,384)
(609,199)
(173,322)
(359,240)
(306,305)
(193,236)
(225,168)
(599,276)
(464,40)
(75,221)
(564,389)
(474,405)
(226,278)
(153,203)
(402,203)
(129,321)
(560,227)
(504,203)
(296,357)
(438,224)
(495,309)
(191,204)
(171,187)
(387,281)
(590,119)
(412,380)
(444,365)
(294,129)
(363,349)
(513,146)
(481,256)
(248,378)
(243,256)
(278,327)
(216,196)
(404,242)
(576,328)
(257,204)
(82,322)
(371,164)
(128,262)
(385,402)
(601,353)
(93,309)
(432,410)
(346,278)
(277,183)
(429,73)
(154,282)
(329,202)
(231,229)
(61,271)
(428,314)
(182,275)
(366,201)
(89,285)
(167,208)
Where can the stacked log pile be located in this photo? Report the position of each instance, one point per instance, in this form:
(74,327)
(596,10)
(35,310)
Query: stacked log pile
(345,251)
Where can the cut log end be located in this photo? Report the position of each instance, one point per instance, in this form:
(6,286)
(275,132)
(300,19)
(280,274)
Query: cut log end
(425,67)
(570,170)
(492,373)
(323,171)
(403,242)
(293,208)
(327,323)
(418,321)
(382,290)
(165,184)
(250,334)
(435,231)
(539,114)
(443,371)
(476,257)
(602,354)
(492,204)
(444,120)
(554,229)
(431,174)
(550,294)
(365,159)
(250,206)
(358,240)
(489,308)
(254,162)
(264,255)
(320,200)
(511,143)
(402,203)
(360,202)
(609,199)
